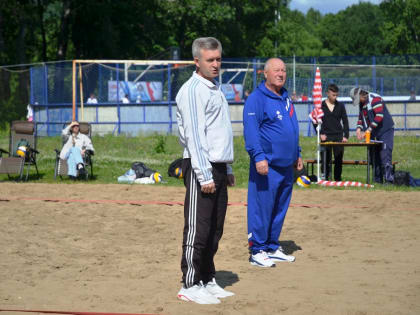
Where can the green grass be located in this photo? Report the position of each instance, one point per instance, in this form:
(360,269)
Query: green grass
(115,154)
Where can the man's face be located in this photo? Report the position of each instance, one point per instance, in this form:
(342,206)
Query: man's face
(208,64)
(276,73)
(332,96)
(363,99)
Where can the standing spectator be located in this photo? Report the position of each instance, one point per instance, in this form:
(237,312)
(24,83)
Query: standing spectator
(205,132)
(334,127)
(412,95)
(294,97)
(271,132)
(375,118)
(92,99)
(30,113)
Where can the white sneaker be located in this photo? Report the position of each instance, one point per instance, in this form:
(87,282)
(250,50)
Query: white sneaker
(198,294)
(217,290)
(261,259)
(278,255)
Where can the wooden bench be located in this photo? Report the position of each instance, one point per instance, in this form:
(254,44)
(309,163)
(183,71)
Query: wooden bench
(345,162)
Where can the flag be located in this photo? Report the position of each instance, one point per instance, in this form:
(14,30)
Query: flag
(317,114)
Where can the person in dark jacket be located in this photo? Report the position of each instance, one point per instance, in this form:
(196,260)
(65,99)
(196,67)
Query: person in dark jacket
(271,133)
(335,128)
(375,118)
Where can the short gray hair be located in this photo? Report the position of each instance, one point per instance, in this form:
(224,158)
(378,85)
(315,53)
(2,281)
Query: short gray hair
(268,62)
(207,43)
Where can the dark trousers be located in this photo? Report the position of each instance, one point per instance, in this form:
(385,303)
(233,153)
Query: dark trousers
(383,157)
(204,217)
(338,158)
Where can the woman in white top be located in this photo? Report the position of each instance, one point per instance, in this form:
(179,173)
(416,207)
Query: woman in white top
(74,149)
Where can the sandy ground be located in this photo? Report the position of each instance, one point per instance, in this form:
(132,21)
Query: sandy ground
(357,252)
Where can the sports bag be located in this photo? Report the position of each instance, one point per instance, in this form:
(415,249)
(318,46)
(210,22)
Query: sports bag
(175,168)
(142,170)
(402,178)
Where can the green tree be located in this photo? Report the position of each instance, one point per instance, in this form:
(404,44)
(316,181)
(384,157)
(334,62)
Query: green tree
(353,31)
(401,29)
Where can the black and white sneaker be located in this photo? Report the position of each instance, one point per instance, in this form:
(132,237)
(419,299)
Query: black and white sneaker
(81,171)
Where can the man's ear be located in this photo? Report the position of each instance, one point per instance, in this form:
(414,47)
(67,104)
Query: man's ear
(196,62)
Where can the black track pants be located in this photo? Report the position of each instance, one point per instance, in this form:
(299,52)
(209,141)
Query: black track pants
(204,217)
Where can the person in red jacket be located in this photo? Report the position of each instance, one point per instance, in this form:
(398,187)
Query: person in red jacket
(375,118)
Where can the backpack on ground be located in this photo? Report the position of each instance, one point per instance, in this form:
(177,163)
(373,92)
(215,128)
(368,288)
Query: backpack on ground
(142,170)
(403,178)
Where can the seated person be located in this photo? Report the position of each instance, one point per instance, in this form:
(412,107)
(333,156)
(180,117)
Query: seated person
(74,149)
(92,99)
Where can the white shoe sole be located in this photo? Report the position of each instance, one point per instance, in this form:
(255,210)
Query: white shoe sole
(281,260)
(262,266)
(182,297)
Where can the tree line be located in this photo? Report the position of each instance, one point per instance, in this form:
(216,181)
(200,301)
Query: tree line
(48,30)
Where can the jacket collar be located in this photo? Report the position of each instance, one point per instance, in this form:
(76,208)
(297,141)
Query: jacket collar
(268,93)
(210,84)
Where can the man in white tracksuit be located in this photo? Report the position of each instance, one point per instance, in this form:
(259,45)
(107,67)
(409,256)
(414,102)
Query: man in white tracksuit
(205,132)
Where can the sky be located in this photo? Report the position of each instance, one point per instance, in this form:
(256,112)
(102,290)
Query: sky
(325,6)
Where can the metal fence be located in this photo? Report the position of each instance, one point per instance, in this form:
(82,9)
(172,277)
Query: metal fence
(149,90)
(136,119)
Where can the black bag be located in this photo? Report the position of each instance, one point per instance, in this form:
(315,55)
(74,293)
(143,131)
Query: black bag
(297,173)
(142,170)
(402,178)
(175,168)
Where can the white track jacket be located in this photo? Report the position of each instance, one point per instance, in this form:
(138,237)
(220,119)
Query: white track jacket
(204,126)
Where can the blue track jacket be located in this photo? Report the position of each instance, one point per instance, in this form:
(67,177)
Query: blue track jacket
(271,128)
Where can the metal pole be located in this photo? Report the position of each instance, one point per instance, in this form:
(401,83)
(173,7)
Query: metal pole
(318,155)
(169,99)
(74,91)
(294,73)
(254,75)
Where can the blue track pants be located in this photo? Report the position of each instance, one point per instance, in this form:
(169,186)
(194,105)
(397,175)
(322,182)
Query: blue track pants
(268,200)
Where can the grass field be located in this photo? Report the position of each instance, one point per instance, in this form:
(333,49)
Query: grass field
(114,155)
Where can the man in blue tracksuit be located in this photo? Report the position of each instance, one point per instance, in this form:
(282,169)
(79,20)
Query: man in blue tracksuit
(271,133)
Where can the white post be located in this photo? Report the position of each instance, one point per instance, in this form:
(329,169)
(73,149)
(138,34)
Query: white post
(126,71)
(318,155)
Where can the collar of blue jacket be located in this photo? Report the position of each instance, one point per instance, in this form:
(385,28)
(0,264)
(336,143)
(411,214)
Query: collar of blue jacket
(267,92)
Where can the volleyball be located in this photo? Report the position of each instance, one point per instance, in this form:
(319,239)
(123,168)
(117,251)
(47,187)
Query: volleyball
(21,151)
(303,181)
(178,172)
(156,177)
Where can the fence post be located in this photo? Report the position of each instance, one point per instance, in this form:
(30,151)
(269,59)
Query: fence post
(374,74)
(405,116)
(254,75)
(169,99)
(46,98)
(309,121)
(118,99)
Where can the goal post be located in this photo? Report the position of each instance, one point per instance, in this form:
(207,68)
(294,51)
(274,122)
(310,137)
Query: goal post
(106,62)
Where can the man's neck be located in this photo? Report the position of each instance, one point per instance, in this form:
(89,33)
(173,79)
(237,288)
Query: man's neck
(328,101)
(276,90)
(209,79)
